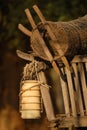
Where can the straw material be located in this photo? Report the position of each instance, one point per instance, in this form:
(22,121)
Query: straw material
(71,36)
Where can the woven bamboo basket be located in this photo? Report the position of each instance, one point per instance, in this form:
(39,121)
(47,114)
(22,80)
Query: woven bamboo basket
(30,100)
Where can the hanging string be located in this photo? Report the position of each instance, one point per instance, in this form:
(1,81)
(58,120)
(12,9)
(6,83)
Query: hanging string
(31,72)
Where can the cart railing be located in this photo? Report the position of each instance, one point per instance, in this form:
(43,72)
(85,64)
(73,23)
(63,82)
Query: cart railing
(74,91)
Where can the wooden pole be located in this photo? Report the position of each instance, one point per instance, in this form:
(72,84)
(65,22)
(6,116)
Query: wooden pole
(47,101)
(46,97)
(24,30)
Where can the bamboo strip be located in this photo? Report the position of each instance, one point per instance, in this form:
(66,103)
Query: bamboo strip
(24,30)
(79,102)
(83,83)
(86,66)
(65,97)
(71,92)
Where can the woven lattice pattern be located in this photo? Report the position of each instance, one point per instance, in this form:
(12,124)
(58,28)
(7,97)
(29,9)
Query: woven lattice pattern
(72,37)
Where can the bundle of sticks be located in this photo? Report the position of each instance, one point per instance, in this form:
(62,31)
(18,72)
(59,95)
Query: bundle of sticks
(55,41)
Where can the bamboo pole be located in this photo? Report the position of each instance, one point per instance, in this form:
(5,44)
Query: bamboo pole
(24,30)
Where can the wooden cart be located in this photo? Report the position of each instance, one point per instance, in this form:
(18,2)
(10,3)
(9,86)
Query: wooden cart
(74,84)
(74,92)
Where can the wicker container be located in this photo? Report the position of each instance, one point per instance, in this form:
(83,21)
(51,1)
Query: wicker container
(30,100)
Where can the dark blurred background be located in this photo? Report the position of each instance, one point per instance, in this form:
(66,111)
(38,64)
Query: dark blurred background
(11,39)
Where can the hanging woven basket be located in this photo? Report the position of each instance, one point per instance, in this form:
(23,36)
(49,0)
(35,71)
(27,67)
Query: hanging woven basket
(30,100)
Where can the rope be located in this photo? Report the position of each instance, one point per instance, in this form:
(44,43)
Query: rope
(31,73)
(22,91)
(41,83)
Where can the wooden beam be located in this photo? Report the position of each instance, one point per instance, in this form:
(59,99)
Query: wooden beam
(74,121)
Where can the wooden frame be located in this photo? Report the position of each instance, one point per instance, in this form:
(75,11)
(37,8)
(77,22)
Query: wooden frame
(74,92)
(74,89)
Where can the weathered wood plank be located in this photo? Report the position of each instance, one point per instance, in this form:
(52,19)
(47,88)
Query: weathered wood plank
(65,97)
(79,58)
(86,66)
(79,102)
(80,121)
(83,83)
(71,93)
(46,97)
